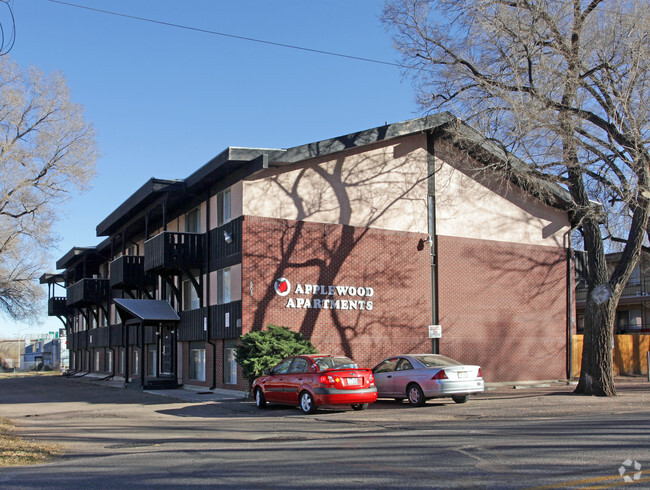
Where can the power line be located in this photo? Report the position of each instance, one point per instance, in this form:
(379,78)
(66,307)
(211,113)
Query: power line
(7,44)
(232,36)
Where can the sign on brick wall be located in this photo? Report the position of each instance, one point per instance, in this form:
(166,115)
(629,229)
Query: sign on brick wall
(326,297)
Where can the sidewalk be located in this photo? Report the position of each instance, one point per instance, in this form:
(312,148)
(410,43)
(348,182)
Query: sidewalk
(189,393)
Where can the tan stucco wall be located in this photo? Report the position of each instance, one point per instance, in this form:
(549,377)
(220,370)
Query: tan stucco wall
(384,186)
(470,204)
(381,186)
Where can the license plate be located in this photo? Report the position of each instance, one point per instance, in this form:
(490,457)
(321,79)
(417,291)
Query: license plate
(462,374)
(353,381)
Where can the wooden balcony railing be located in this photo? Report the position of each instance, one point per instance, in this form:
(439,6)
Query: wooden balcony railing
(171,252)
(57,306)
(640,289)
(128,272)
(88,292)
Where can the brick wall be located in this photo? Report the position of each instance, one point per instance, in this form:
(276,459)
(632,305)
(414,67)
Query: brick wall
(334,255)
(504,306)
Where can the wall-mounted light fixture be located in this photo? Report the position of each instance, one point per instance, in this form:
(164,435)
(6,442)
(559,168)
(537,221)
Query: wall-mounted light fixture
(227,237)
(425,241)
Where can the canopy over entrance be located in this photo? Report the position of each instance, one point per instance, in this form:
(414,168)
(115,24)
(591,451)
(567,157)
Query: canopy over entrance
(146,310)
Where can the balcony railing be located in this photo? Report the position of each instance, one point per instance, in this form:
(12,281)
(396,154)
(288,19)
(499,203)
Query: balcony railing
(171,252)
(88,292)
(128,272)
(640,289)
(57,306)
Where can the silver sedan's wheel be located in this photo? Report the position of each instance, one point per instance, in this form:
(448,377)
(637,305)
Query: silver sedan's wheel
(460,398)
(415,395)
(307,402)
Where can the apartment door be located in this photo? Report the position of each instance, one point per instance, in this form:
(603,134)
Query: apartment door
(167,350)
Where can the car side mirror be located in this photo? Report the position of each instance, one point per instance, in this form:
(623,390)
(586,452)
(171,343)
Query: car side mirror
(267,372)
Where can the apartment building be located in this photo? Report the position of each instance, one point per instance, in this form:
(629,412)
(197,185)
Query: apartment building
(360,242)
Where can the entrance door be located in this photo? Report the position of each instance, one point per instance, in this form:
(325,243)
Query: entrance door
(167,350)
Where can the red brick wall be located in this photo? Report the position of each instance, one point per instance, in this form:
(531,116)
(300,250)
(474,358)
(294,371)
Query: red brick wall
(322,254)
(504,306)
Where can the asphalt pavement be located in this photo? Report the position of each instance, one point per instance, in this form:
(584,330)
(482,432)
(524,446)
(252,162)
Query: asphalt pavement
(514,435)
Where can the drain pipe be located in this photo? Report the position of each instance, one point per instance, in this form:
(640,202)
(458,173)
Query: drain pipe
(207,294)
(432,241)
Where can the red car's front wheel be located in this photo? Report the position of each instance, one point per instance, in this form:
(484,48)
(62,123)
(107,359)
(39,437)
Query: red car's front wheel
(260,400)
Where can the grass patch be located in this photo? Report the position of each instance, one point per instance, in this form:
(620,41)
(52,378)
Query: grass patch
(15,451)
(25,374)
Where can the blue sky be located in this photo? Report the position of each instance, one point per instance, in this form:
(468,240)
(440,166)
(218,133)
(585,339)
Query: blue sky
(165,100)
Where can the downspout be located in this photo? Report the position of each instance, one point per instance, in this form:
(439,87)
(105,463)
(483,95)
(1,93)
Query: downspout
(570,309)
(142,354)
(207,293)
(431,225)
(125,343)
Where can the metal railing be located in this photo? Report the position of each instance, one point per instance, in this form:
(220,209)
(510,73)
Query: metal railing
(640,289)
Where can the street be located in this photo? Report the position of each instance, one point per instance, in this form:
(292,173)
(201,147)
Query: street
(541,437)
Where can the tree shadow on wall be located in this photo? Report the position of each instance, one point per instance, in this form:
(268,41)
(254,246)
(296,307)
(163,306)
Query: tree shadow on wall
(344,189)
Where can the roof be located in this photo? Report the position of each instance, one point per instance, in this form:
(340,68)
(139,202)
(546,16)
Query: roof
(235,164)
(146,310)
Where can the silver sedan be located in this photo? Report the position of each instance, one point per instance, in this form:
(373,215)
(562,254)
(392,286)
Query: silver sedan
(419,377)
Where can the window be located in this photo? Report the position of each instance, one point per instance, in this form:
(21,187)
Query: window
(223,286)
(405,365)
(152,357)
(122,360)
(190,298)
(193,221)
(197,364)
(283,367)
(223,207)
(300,365)
(229,363)
(635,277)
(136,362)
(96,360)
(109,361)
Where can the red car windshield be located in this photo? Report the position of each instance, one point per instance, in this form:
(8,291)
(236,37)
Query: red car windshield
(325,363)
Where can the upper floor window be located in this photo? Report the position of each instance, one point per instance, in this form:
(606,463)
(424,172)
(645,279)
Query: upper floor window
(223,207)
(193,221)
(223,286)
(190,298)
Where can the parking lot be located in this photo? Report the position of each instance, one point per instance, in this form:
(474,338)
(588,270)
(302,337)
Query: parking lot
(505,438)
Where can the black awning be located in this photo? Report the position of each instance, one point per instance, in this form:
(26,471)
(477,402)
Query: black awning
(146,310)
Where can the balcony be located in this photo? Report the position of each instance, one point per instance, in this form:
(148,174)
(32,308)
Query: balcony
(639,291)
(88,292)
(172,252)
(127,272)
(57,306)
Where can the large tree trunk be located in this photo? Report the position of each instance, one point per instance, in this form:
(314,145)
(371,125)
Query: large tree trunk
(596,371)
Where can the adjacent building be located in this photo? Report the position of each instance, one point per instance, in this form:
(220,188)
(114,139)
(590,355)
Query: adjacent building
(631,323)
(361,242)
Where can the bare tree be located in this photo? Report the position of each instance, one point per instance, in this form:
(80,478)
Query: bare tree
(47,150)
(562,85)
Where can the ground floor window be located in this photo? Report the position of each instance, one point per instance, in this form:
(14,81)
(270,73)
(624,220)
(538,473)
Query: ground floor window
(109,361)
(197,364)
(122,360)
(229,363)
(136,362)
(152,356)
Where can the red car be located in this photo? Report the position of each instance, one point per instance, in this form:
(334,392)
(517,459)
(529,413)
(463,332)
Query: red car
(315,380)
